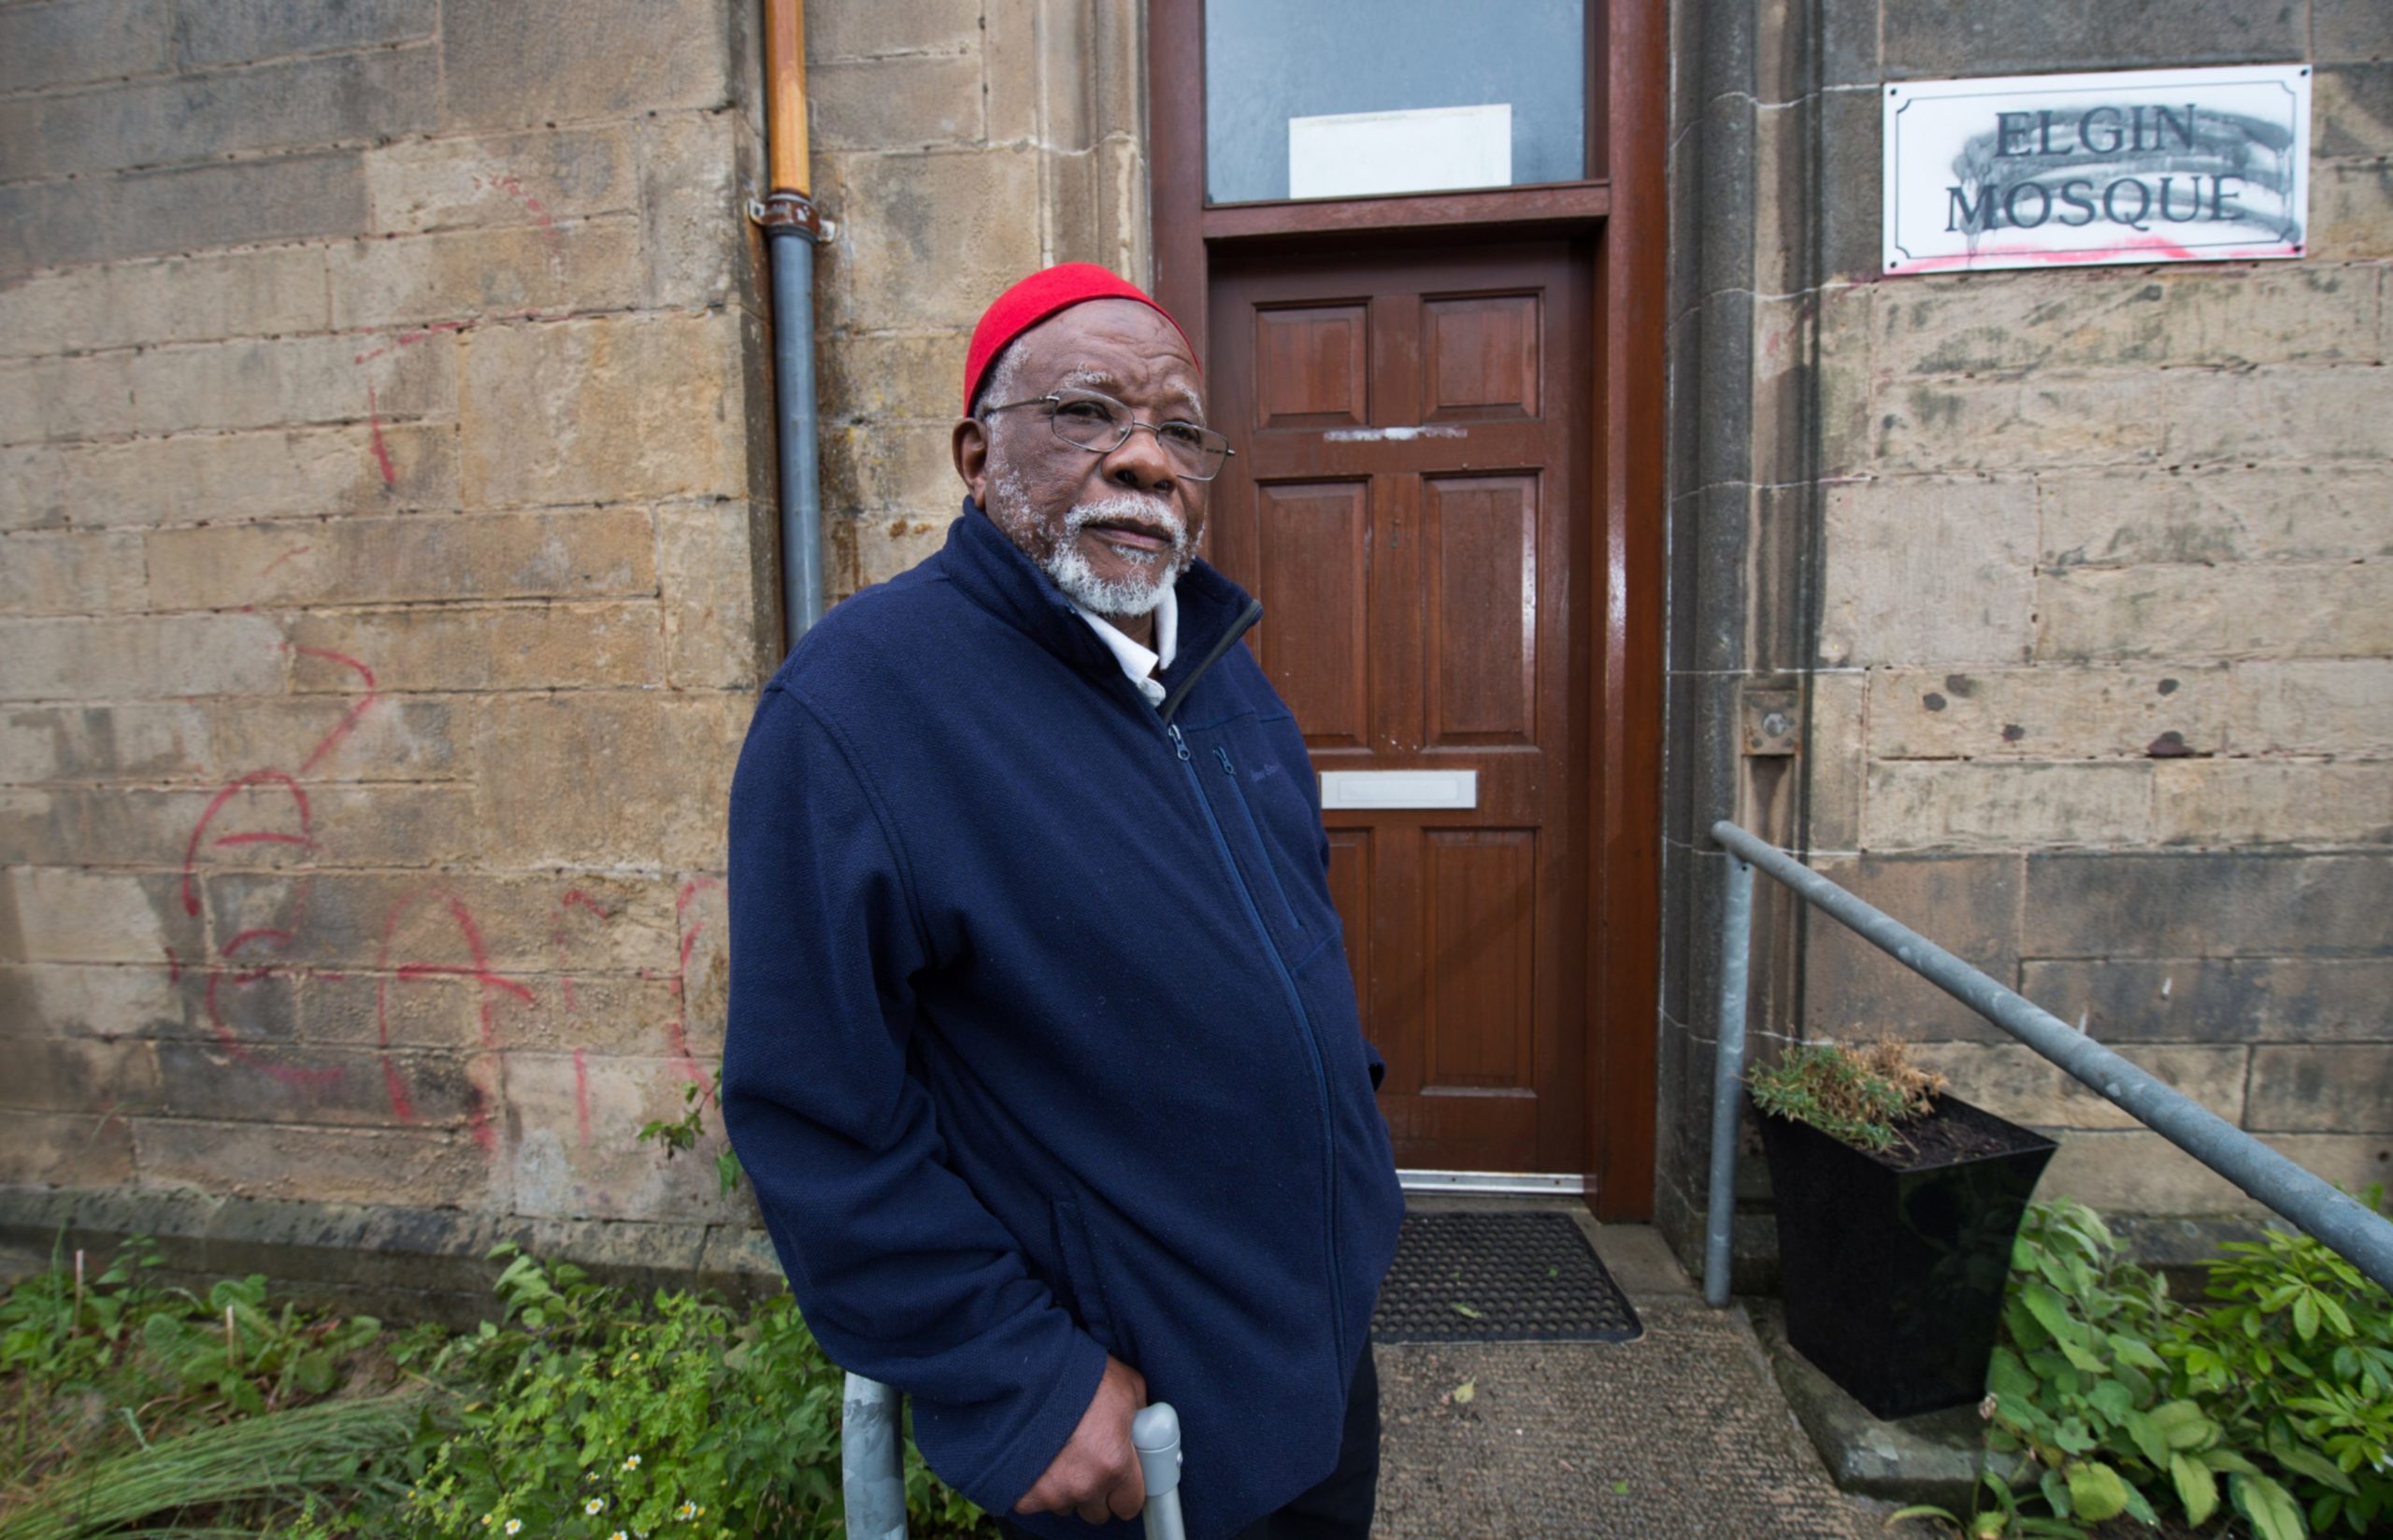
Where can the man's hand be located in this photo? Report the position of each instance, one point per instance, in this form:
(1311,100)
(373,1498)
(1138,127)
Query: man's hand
(1097,1475)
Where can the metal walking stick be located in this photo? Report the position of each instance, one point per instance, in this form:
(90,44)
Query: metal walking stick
(872,1463)
(872,1460)
(1155,1433)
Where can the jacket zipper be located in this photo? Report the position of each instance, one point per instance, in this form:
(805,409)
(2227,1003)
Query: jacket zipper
(1237,793)
(1240,627)
(1171,703)
(1312,1043)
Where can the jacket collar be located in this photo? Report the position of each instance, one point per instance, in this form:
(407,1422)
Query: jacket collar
(995,573)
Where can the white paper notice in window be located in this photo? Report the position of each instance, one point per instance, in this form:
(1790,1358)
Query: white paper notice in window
(1422,149)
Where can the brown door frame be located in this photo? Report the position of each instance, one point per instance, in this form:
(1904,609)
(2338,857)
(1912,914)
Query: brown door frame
(1622,212)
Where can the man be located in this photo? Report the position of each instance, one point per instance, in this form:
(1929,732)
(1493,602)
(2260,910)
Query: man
(1043,1054)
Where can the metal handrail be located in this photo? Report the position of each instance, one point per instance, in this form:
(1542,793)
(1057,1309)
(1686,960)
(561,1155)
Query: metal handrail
(2348,1226)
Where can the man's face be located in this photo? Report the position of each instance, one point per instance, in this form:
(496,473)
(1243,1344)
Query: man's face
(1114,530)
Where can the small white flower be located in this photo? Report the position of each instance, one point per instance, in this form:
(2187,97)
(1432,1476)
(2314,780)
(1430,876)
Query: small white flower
(686,1512)
(513,1526)
(618,1535)
(631,1462)
(594,1506)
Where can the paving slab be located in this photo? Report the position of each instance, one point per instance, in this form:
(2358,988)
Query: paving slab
(1683,1432)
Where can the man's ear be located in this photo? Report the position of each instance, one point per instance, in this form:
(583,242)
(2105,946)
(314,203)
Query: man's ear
(971,447)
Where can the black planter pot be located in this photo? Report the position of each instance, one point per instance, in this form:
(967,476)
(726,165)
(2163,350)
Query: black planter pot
(1893,1273)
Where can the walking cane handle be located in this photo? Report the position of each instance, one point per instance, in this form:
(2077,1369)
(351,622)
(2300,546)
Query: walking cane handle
(1155,1433)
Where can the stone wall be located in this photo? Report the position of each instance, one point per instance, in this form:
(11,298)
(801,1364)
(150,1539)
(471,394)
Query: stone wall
(388,563)
(386,569)
(2083,576)
(959,144)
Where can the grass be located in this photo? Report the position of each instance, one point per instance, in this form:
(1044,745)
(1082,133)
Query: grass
(273,1459)
(130,1407)
(129,1410)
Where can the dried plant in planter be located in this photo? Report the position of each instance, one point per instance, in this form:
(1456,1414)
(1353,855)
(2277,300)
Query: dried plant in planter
(1895,1208)
(1861,1095)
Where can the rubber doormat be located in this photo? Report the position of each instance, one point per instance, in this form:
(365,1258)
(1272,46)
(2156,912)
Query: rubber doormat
(1499,1278)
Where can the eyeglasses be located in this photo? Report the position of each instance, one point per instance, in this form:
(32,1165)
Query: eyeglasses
(1100,424)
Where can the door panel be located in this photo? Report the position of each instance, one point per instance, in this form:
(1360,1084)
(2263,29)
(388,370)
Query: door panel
(1409,502)
(1481,534)
(1482,933)
(1482,357)
(1312,561)
(1308,366)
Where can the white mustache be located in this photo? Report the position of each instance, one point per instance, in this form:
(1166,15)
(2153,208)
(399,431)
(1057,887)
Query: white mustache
(1129,509)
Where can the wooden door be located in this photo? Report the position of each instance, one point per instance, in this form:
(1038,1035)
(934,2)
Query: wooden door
(1410,500)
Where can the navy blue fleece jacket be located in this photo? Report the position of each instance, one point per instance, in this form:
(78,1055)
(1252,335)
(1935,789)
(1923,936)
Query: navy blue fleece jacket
(1042,1043)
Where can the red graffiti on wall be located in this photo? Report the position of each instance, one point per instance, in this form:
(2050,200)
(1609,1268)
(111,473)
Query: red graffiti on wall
(377,444)
(492,990)
(677,1030)
(246,958)
(581,1094)
(224,795)
(551,237)
(575,901)
(429,934)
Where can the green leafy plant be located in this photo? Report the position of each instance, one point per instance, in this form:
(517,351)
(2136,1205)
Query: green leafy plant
(124,1396)
(67,1326)
(1861,1095)
(1997,1516)
(2078,1382)
(680,1134)
(246,1356)
(598,1418)
(142,1410)
(2109,1399)
(2295,1361)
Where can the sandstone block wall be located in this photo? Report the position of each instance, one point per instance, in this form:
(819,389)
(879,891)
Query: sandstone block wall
(2084,575)
(959,144)
(388,563)
(386,571)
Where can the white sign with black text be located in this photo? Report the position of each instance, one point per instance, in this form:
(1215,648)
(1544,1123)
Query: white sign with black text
(2063,170)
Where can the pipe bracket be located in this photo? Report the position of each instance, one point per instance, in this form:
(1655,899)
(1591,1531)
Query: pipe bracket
(792,211)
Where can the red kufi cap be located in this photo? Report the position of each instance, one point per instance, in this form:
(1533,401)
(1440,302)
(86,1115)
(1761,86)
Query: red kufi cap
(1042,295)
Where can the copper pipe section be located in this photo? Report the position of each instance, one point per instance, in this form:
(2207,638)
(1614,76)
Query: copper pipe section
(792,226)
(785,96)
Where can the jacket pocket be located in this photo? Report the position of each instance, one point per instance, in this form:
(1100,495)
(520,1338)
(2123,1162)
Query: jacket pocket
(1080,1273)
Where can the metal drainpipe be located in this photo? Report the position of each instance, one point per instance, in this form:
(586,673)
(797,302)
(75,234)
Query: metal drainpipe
(792,226)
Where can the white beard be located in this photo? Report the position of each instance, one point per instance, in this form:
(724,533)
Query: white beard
(1138,594)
